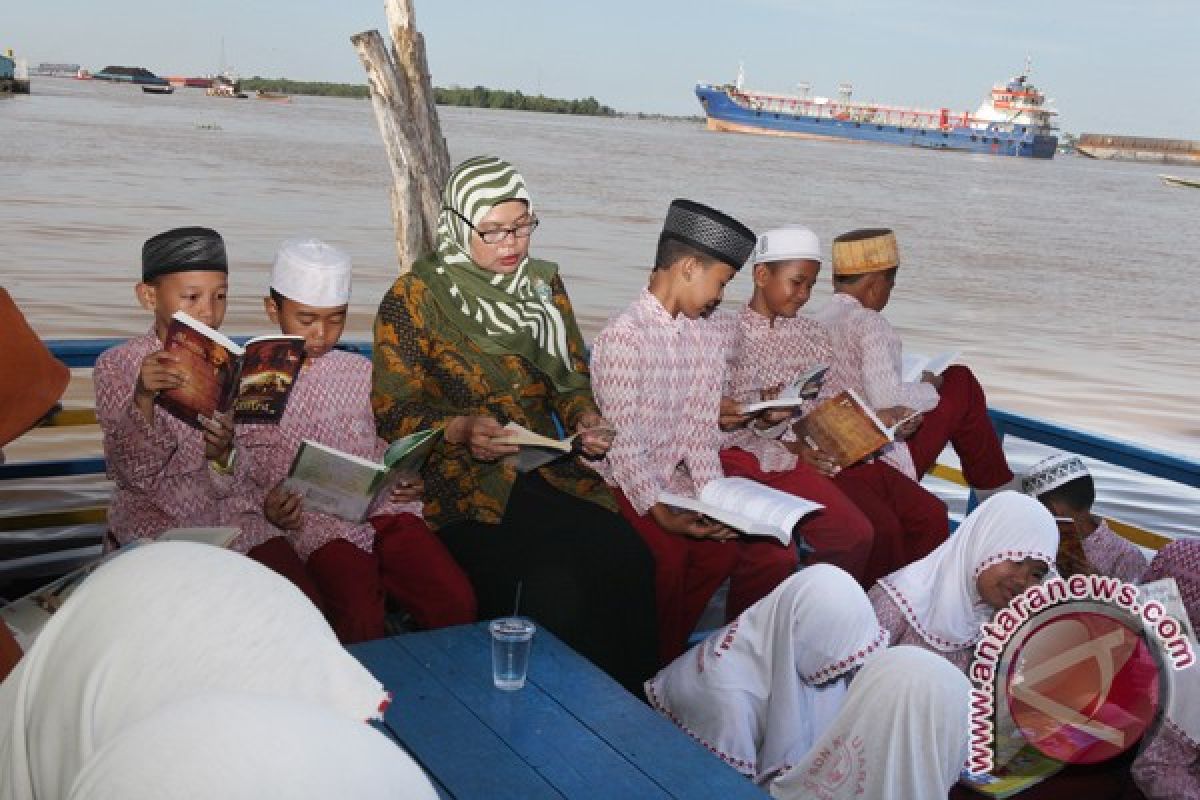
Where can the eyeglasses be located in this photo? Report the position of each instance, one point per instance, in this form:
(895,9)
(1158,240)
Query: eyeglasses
(498,235)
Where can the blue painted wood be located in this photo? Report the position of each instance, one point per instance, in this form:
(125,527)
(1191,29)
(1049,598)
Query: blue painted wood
(569,755)
(446,737)
(82,353)
(51,469)
(571,725)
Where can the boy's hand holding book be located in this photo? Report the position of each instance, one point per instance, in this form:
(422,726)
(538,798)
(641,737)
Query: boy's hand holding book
(218,436)
(904,419)
(283,508)
(159,372)
(932,378)
(408,490)
(808,452)
(690,524)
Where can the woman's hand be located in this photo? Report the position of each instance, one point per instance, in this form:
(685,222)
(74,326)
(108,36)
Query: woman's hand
(283,508)
(690,524)
(596,434)
(408,490)
(484,437)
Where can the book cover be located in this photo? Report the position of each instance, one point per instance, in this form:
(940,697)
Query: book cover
(268,373)
(255,380)
(349,486)
(846,429)
(746,506)
(1027,768)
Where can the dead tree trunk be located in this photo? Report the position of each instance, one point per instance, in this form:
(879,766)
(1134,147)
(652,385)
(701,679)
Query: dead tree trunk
(402,96)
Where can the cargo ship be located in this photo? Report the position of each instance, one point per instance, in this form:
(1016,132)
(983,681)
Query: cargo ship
(135,75)
(1014,120)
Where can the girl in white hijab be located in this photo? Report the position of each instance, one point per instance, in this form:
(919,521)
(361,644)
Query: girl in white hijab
(902,734)
(761,690)
(237,746)
(1002,548)
(161,623)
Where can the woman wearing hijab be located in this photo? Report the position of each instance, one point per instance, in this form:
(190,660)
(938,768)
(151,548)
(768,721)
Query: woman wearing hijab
(902,734)
(1002,548)
(478,335)
(760,691)
(242,746)
(163,622)
(1169,764)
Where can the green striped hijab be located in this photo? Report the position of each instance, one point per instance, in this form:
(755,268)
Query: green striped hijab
(512,313)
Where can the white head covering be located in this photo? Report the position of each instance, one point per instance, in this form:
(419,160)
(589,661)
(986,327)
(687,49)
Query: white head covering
(1052,472)
(759,692)
(902,734)
(787,244)
(152,626)
(938,595)
(240,746)
(312,272)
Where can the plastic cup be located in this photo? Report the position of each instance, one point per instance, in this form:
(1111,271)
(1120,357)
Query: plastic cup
(512,638)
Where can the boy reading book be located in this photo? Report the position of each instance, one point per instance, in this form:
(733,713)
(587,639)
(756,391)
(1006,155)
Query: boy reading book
(167,473)
(350,564)
(775,344)
(868,359)
(1087,545)
(658,371)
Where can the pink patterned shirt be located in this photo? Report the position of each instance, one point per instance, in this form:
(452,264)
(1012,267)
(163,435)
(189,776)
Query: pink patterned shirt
(870,361)
(765,356)
(162,478)
(330,404)
(1168,768)
(658,379)
(1114,555)
(897,625)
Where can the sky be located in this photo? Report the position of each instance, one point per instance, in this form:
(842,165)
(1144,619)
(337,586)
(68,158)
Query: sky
(1111,66)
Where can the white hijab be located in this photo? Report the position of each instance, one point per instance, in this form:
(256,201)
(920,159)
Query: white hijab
(153,626)
(238,746)
(938,595)
(902,733)
(761,690)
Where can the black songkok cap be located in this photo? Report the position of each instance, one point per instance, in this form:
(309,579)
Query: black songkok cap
(183,250)
(709,231)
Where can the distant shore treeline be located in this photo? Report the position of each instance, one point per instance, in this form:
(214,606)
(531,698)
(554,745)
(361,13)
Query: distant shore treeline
(475,97)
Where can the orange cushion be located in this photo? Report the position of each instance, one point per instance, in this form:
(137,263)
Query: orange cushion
(31,379)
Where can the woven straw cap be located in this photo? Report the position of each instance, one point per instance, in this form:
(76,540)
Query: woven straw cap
(865,250)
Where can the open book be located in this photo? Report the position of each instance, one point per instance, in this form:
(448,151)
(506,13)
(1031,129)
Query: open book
(1027,768)
(349,486)
(26,616)
(804,388)
(746,506)
(1166,592)
(846,429)
(255,380)
(915,365)
(536,450)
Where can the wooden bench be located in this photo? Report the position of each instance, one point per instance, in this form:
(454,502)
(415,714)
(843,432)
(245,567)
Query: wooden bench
(571,732)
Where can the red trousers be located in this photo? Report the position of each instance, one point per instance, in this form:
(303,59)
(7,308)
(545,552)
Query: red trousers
(960,420)
(839,534)
(349,585)
(909,520)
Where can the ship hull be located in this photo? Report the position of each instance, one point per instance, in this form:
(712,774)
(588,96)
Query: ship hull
(724,114)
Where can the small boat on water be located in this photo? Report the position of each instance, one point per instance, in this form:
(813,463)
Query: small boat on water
(1186,183)
(159,89)
(226,85)
(277,97)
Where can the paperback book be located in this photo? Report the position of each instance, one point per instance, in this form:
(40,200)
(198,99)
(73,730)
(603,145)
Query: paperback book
(746,506)
(349,486)
(846,429)
(803,389)
(916,365)
(254,379)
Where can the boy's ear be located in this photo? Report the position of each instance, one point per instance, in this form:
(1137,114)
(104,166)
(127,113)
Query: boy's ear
(761,273)
(147,295)
(272,309)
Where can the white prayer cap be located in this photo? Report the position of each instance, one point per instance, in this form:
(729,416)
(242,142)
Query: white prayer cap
(1052,472)
(312,272)
(787,244)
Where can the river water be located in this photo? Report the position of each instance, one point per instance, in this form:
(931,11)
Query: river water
(1070,286)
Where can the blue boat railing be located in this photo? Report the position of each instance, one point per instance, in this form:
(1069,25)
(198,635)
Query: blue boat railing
(82,354)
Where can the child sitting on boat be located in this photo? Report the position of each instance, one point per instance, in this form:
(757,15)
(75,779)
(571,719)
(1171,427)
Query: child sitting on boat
(1062,483)
(659,369)
(762,690)
(868,359)
(167,473)
(776,345)
(348,565)
(1002,548)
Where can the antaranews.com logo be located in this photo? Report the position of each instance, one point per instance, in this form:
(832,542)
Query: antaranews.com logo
(1075,676)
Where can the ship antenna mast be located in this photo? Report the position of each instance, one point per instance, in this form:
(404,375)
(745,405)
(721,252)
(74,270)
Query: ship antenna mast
(741,76)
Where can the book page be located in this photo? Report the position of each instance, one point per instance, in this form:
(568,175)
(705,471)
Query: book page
(808,385)
(916,365)
(524,437)
(269,370)
(334,482)
(779,402)
(217,537)
(770,508)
